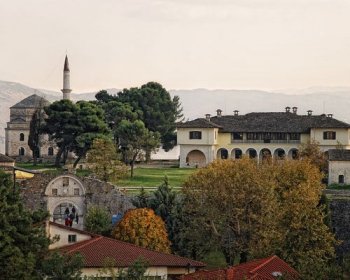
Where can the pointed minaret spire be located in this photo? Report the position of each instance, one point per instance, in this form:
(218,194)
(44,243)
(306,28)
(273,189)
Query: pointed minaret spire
(66,80)
(66,64)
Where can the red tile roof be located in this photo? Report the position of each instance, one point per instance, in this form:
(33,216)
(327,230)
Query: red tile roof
(96,250)
(262,269)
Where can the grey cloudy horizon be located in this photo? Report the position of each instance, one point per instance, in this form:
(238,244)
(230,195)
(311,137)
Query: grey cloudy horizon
(183,44)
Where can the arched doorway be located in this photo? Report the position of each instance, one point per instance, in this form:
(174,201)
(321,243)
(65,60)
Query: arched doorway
(67,213)
(66,191)
(252,153)
(21,151)
(293,154)
(195,158)
(222,154)
(279,154)
(265,154)
(236,153)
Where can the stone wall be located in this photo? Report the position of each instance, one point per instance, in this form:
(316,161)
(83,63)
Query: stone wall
(339,206)
(97,193)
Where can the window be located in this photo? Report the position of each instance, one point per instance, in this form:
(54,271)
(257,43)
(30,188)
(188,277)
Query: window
(21,137)
(341,179)
(72,238)
(21,151)
(329,135)
(76,191)
(195,135)
(65,181)
(237,136)
(54,191)
(50,151)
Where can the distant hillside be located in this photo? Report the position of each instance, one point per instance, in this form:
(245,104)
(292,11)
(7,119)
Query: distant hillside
(198,102)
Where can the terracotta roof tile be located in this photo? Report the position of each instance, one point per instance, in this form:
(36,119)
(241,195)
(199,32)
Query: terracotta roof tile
(96,250)
(198,123)
(267,122)
(261,269)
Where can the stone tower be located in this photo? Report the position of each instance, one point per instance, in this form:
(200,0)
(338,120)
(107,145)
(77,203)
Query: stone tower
(66,80)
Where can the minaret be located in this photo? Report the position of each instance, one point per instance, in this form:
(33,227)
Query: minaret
(66,80)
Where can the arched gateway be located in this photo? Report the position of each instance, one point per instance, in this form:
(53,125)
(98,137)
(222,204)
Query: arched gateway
(196,158)
(66,200)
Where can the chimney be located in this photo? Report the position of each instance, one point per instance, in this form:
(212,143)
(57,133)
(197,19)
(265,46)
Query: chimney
(218,112)
(207,117)
(295,109)
(235,112)
(309,112)
(330,115)
(287,109)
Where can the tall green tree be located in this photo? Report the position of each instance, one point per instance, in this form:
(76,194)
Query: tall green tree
(103,160)
(23,243)
(74,127)
(159,111)
(98,221)
(91,120)
(150,103)
(61,124)
(62,267)
(134,140)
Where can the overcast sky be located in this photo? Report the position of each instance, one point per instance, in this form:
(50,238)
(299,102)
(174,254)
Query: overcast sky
(183,44)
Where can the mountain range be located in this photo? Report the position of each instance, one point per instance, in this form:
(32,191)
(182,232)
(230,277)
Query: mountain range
(198,102)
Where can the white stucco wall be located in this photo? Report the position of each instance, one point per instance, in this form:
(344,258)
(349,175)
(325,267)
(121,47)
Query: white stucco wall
(342,137)
(337,168)
(209,137)
(54,231)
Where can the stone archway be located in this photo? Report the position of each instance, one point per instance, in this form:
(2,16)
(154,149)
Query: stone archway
(222,153)
(195,158)
(293,153)
(265,154)
(60,216)
(252,153)
(236,153)
(62,192)
(279,154)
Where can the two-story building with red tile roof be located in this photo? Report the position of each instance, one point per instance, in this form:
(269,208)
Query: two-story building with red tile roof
(97,249)
(258,135)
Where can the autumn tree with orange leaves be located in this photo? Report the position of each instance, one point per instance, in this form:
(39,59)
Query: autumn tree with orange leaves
(143,228)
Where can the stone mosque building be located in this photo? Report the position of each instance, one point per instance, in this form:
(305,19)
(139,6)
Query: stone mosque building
(63,193)
(17,130)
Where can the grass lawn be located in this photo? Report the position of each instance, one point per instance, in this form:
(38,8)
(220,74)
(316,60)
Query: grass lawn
(35,167)
(338,187)
(150,178)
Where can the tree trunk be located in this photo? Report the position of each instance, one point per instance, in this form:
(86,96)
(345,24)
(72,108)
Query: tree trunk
(77,161)
(65,155)
(148,155)
(132,169)
(132,163)
(58,157)
(34,158)
(243,257)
